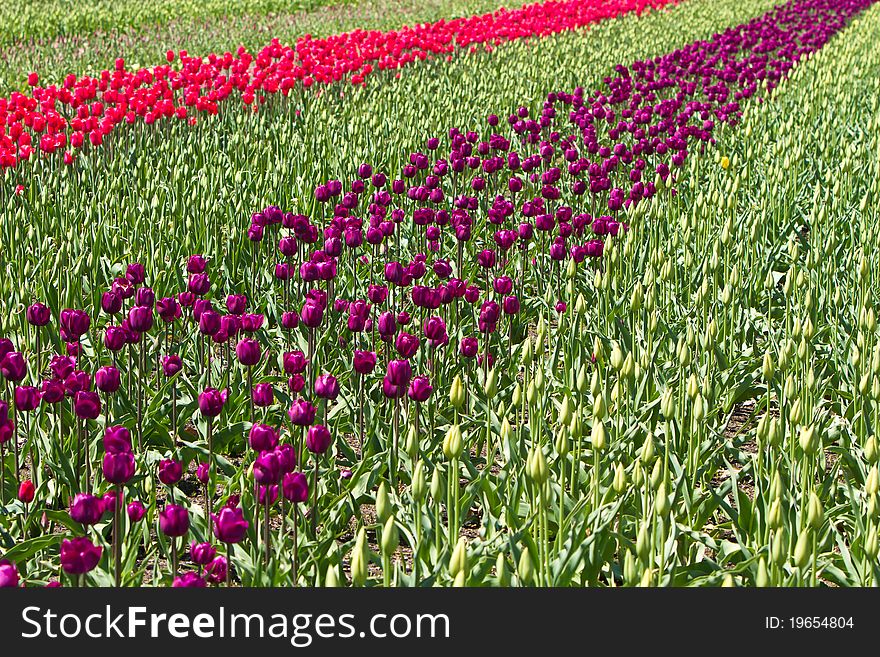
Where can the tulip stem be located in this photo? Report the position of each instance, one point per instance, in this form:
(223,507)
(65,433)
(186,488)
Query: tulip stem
(293,564)
(250,384)
(315,501)
(228,565)
(209,486)
(266,532)
(173,557)
(15,443)
(117,543)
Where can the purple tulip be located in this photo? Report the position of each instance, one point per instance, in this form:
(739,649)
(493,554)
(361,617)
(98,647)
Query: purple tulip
(171,365)
(262,437)
(136,511)
(170,471)
(38,314)
(8,575)
(13,366)
(211,402)
(27,398)
(87,405)
(326,387)
(248,352)
(202,553)
(86,509)
(230,525)
(174,520)
(117,440)
(79,555)
(301,413)
(364,361)
(318,439)
(189,580)
(263,395)
(118,467)
(295,487)
(107,379)
(267,469)
(420,389)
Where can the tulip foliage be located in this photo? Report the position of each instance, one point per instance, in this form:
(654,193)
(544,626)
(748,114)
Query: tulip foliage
(615,333)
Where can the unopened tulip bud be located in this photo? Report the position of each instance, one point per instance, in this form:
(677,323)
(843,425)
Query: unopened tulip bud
(384,509)
(453,443)
(657,474)
(774,517)
(872,482)
(646,454)
(502,574)
(458,561)
(437,487)
(574,428)
(360,559)
(779,548)
(808,438)
(525,567)
(581,381)
(767,368)
(539,380)
(643,542)
(795,413)
(597,435)
(561,444)
(617,357)
(490,387)
(419,484)
(638,474)
(565,412)
(599,406)
(536,467)
(803,548)
(517,398)
(871,451)
(667,404)
(699,411)
(872,544)
(456,393)
(727,582)
(661,503)
(762,580)
(412,442)
(390,537)
(331,580)
(619,479)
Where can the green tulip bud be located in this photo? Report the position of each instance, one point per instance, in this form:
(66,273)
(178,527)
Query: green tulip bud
(803,548)
(517,395)
(456,393)
(796,413)
(774,517)
(580,305)
(331,579)
(536,465)
(412,442)
(390,537)
(565,412)
(561,445)
(767,368)
(693,387)
(647,451)
(458,562)
(773,434)
(630,570)
(643,545)
(871,544)
(531,393)
(360,559)
(871,451)
(599,406)
(661,503)
(384,509)
(502,574)
(727,582)
(453,443)
(872,482)
(657,474)
(490,387)
(763,578)
(597,435)
(815,512)
(581,381)
(808,439)
(419,484)
(616,357)
(637,296)
(779,548)
(527,351)
(667,404)
(506,431)
(525,567)
(460,580)
(539,380)
(574,428)
(647,578)
(619,479)
(638,474)
(699,411)
(437,487)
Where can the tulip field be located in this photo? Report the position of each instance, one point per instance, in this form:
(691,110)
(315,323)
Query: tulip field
(455,293)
